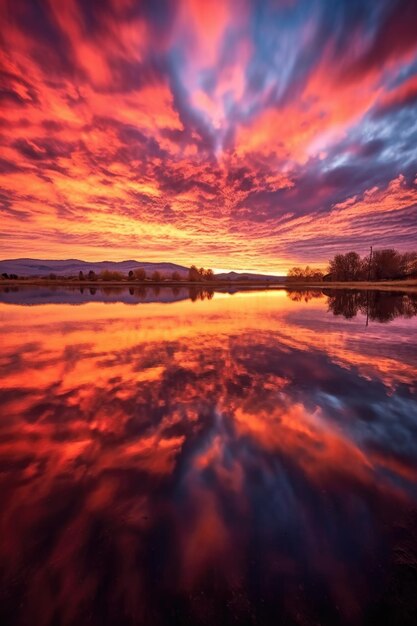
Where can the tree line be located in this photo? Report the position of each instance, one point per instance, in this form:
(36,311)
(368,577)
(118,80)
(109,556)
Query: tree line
(384,264)
(306,274)
(194,274)
(140,275)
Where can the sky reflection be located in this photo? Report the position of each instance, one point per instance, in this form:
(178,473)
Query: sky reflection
(244,459)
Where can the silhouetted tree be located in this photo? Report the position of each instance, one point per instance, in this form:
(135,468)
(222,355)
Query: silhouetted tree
(140,274)
(409,264)
(295,274)
(347,267)
(387,263)
(110,275)
(131,275)
(156,276)
(175,276)
(193,274)
(197,275)
(81,275)
(92,275)
(298,274)
(209,274)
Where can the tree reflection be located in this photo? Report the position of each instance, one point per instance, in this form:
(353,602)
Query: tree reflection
(304,295)
(108,290)
(200,293)
(379,306)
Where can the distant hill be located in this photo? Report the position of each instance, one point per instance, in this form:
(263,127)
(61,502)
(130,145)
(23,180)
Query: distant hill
(72,267)
(249,276)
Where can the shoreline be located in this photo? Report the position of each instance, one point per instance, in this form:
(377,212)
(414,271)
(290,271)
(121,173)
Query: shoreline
(392,285)
(383,285)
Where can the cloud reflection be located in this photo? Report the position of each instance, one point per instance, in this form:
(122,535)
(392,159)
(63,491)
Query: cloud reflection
(245,455)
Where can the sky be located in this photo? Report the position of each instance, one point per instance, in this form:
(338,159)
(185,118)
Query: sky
(235,134)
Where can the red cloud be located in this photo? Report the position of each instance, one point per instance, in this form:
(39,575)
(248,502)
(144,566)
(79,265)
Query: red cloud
(112,113)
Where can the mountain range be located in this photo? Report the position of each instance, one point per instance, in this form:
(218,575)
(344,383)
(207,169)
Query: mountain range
(72,267)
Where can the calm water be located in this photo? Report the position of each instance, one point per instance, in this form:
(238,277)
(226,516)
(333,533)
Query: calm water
(225,459)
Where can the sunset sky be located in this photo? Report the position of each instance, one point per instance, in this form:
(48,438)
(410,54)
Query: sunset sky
(240,134)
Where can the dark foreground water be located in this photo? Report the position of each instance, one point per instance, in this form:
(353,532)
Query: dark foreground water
(219,459)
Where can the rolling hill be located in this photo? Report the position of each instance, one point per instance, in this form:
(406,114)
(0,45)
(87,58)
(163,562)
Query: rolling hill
(72,267)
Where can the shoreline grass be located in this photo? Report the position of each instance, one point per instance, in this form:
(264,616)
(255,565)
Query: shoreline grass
(383,285)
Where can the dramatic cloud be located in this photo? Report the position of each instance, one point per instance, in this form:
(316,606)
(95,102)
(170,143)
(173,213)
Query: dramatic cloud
(239,134)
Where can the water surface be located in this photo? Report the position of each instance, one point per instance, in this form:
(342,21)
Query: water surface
(207,458)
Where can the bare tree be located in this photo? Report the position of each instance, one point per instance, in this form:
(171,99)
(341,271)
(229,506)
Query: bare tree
(387,263)
(193,274)
(346,267)
(110,275)
(409,265)
(298,274)
(140,274)
(209,275)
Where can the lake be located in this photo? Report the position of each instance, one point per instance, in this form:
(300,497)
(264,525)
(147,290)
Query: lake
(171,457)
